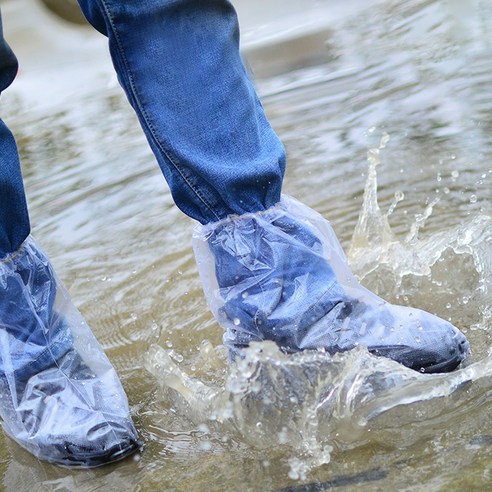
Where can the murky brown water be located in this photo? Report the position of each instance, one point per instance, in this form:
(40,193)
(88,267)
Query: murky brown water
(418,71)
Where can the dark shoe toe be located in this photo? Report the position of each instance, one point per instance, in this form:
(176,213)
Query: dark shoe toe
(431,358)
(113,443)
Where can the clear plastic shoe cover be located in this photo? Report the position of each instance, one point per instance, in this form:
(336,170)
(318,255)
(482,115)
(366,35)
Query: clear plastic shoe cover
(282,275)
(60,398)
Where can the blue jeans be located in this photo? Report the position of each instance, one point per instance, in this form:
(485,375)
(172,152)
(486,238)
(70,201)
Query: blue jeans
(179,64)
(14,219)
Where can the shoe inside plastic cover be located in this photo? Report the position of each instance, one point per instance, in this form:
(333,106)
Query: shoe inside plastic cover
(60,398)
(282,275)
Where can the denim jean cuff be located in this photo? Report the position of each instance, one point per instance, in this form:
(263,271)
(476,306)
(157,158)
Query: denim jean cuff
(270,212)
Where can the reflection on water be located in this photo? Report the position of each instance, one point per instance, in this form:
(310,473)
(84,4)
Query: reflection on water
(416,71)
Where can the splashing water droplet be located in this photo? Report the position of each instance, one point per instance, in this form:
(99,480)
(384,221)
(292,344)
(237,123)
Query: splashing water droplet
(205,445)
(203,428)
(385,138)
(399,196)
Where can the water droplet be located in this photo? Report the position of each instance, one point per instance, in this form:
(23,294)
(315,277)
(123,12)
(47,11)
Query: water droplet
(473,199)
(177,357)
(455,174)
(205,446)
(203,428)
(236,321)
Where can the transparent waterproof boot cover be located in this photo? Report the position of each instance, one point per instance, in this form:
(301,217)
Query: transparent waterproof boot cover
(60,398)
(282,275)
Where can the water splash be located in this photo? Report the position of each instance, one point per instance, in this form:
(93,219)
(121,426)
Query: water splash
(372,219)
(452,267)
(306,406)
(374,243)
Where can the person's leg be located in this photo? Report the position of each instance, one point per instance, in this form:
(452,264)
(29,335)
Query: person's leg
(59,396)
(274,271)
(14,219)
(179,64)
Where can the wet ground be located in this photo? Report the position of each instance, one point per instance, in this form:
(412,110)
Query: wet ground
(411,80)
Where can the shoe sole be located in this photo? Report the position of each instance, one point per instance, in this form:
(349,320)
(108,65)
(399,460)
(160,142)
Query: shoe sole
(111,455)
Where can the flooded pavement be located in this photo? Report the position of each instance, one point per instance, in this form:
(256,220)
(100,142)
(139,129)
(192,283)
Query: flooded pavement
(388,131)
